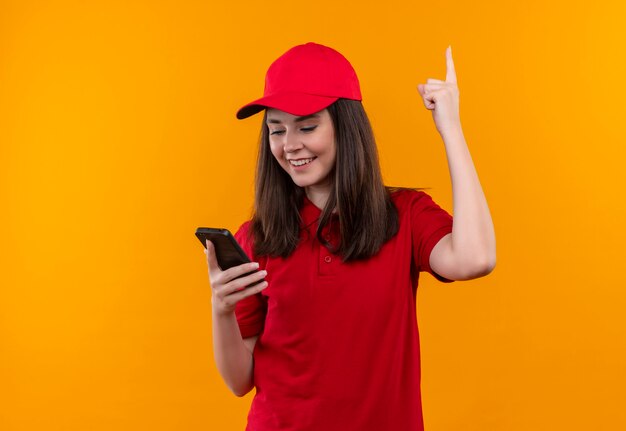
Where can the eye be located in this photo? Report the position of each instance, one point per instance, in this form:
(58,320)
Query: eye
(308,129)
(277,132)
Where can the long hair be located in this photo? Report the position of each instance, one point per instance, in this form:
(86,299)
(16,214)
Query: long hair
(367,216)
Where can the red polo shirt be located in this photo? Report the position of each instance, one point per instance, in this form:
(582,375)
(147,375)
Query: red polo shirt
(339,345)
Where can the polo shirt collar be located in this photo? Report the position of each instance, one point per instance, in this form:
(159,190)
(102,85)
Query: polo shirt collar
(310,214)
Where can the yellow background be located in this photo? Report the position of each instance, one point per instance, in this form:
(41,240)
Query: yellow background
(118,138)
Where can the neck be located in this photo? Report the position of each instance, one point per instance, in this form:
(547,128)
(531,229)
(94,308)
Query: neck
(318,195)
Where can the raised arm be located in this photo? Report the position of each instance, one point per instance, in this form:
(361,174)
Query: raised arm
(470,250)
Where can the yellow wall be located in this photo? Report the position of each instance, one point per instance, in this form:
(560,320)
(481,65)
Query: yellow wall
(118,138)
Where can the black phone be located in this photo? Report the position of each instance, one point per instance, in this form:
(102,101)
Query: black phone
(228,251)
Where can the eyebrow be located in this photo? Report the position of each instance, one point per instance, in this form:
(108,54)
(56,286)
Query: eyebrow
(297,120)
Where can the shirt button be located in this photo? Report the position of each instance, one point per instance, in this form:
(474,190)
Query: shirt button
(327,259)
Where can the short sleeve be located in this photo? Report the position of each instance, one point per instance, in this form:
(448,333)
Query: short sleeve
(250,311)
(429,223)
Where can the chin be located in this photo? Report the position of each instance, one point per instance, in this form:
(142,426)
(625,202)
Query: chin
(301,183)
(307,180)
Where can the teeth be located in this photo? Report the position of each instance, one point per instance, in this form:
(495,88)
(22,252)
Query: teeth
(300,162)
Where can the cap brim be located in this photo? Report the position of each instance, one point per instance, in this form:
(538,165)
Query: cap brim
(293,103)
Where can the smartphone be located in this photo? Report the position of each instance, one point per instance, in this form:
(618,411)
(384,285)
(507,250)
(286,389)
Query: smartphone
(227,250)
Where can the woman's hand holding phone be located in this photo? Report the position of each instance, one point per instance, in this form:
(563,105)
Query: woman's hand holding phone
(227,289)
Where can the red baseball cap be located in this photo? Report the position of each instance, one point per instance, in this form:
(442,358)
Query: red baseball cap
(305,80)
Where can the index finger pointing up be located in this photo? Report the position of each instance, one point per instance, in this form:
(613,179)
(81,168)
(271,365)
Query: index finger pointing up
(450,72)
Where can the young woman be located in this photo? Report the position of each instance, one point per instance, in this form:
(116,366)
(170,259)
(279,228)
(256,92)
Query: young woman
(329,337)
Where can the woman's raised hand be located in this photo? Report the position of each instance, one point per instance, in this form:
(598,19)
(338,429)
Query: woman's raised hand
(227,289)
(442,97)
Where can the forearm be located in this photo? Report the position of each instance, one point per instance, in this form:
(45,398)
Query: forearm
(473,236)
(234,360)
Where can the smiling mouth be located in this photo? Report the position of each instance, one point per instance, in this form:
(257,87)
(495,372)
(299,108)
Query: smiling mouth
(301,162)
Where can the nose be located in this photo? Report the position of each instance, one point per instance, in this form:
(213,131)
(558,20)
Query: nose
(292,143)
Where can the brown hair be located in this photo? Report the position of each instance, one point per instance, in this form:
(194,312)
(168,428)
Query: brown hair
(367,216)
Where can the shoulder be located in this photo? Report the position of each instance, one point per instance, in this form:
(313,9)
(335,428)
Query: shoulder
(404,198)
(420,208)
(244,229)
(243,235)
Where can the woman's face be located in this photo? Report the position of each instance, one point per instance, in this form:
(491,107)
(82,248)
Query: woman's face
(304,146)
